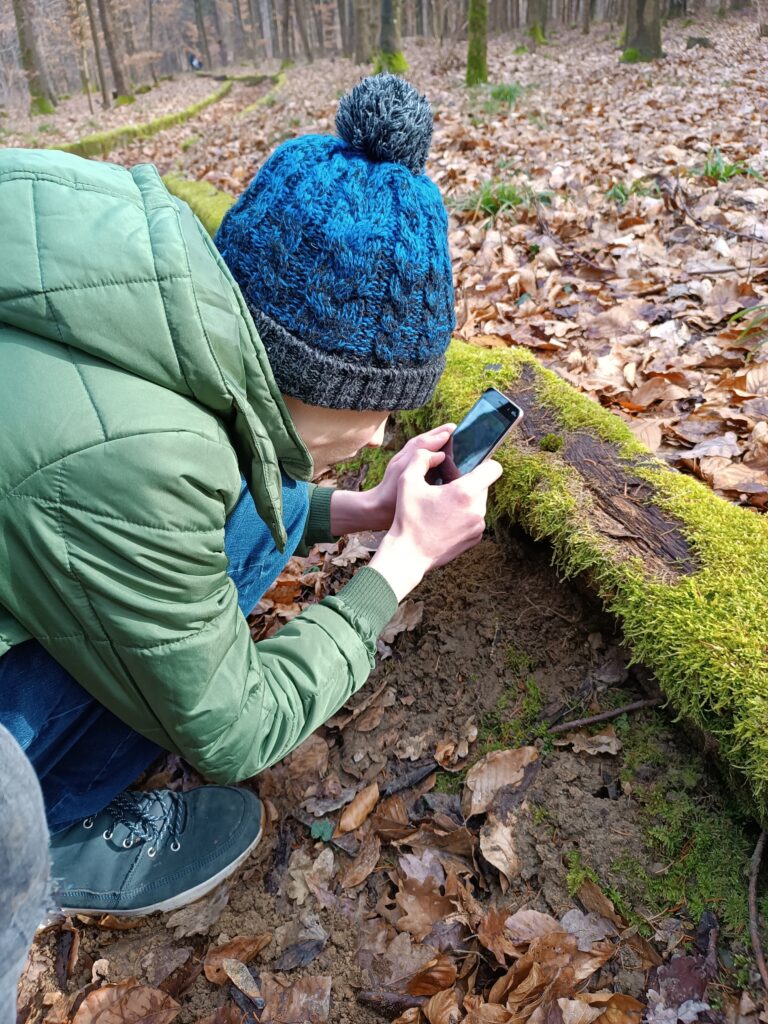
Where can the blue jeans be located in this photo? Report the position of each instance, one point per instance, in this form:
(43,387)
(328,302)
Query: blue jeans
(82,754)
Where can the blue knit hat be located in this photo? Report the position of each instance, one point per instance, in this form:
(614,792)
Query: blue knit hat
(340,247)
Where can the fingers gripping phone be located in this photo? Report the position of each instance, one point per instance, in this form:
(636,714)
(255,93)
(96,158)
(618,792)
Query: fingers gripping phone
(477,436)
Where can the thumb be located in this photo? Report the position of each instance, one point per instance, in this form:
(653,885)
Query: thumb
(484,475)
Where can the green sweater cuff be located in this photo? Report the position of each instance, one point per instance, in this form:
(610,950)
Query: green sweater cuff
(318,527)
(370,597)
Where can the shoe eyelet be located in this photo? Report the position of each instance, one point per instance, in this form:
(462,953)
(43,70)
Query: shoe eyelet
(151,851)
(107,834)
(175,846)
(88,823)
(128,843)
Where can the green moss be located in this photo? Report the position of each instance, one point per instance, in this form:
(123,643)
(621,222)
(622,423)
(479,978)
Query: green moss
(633,56)
(551,443)
(375,460)
(704,635)
(100,143)
(395,63)
(209,203)
(521,49)
(142,89)
(41,105)
(578,873)
(125,100)
(536,32)
(519,662)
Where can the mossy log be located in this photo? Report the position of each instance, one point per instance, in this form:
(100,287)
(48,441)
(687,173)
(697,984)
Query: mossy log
(684,571)
(209,203)
(100,143)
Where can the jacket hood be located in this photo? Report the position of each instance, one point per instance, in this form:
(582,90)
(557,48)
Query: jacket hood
(74,231)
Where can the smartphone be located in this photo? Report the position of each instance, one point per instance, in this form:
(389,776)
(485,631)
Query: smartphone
(477,436)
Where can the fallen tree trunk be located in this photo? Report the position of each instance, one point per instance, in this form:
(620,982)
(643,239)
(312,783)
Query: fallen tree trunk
(684,571)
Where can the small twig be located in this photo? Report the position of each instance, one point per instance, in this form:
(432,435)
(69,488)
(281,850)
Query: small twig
(678,197)
(754,932)
(605,716)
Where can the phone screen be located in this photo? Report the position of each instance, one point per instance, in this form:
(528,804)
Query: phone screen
(484,426)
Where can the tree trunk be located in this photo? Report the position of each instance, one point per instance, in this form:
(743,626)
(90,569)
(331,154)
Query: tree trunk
(586,16)
(390,46)
(41,92)
(151,21)
(537,21)
(115,59)
(285,46)
(202,35)
(241,39)
(302,24)
(362,33)
(105,97)
(477,49)
(79,36)
(762,19)
(642,40)
(217,28)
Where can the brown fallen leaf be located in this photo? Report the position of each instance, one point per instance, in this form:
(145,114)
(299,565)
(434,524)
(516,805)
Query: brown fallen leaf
(119,924)
(526,925)
(422,904)
(604,742)
(407,617)
(498,769)
(242,947)
(365,862)
(242,978)
(491,934)
(127,1003)
(355,814)
(198,918)
(574,1011)
(435,976)
(443,1008)
(305,1000)
(497,844)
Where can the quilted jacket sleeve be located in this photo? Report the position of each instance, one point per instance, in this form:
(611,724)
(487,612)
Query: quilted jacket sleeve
(157,602)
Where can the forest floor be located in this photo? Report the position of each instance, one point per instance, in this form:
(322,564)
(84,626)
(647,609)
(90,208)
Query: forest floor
(439,845)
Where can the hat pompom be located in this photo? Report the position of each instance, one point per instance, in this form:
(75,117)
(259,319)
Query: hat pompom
(388,120)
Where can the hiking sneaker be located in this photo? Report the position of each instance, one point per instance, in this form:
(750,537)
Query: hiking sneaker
(154,851)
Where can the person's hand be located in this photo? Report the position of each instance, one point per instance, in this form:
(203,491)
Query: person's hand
(352,511)
(432,524)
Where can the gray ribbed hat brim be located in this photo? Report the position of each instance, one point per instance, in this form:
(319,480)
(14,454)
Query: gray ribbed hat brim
(324,379)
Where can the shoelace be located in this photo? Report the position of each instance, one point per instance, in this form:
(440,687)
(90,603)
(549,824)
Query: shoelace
(132,810)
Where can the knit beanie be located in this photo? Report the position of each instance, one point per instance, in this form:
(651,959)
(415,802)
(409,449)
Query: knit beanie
(340,248)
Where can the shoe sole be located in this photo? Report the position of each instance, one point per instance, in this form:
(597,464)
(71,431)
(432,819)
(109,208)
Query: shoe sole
(183,899)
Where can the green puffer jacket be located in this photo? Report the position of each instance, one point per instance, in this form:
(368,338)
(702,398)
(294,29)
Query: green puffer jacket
(134,391)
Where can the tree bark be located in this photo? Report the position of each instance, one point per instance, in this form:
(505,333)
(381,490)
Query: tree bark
(286,42)
(477,48)
(362,33)
(217,28)
(115,57)
(42,94)
(79,36)
(202,35)
(586,16)
(537,21)
(390,44)
(643,33)
(762,20)
(300,14)
(105,97)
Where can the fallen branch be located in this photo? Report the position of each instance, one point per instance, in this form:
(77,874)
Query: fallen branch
(606,716)
(678,199)
(754,931)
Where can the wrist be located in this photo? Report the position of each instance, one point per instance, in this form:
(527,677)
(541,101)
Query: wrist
(400,563)
(353,511)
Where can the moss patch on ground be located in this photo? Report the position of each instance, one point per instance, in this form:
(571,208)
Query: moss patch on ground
(100,143)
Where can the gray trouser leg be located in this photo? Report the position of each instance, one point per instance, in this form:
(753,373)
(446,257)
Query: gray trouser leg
(24,866)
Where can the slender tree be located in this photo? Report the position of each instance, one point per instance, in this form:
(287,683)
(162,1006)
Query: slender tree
(762,19)
(642,38)
(42,95)
(362,32)
(75,17)
(202,35)
(105,97)
(477,48)
(390,47)
(217,28)
(265,9)
(586,16)
(302,23)
(110,42)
